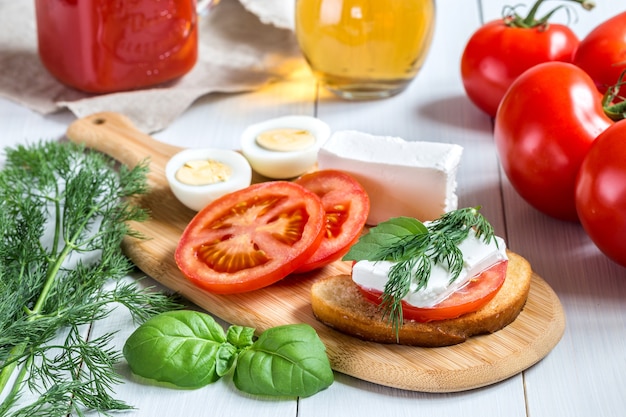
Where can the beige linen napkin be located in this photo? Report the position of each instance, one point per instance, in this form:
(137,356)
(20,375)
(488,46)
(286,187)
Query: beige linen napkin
(241,49)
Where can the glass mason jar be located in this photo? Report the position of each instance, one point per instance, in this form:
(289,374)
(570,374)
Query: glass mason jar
(102,46)
(362,49)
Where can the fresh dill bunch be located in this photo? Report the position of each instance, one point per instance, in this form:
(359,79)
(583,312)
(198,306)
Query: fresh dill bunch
(64,212)
(415,247)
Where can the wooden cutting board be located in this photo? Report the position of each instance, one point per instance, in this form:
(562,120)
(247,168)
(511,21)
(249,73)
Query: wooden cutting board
(475,363)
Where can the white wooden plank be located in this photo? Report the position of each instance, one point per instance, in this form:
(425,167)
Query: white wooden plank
(21,125)
(586,372)
(587,369)
(353,397)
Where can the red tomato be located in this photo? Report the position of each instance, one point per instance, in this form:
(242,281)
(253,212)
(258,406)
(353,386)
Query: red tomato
(601,192)
(602,53)
(251,238)
(471,297)
(347,206)
(543,129)
(501,50)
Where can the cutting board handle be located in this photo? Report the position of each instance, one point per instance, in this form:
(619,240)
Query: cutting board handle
(115,135)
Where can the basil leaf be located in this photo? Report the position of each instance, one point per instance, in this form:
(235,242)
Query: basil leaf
(240,336)
(178,347)
(369,246)
(225,359)
(360,251)
(387,234)
(287,360)
(400,226)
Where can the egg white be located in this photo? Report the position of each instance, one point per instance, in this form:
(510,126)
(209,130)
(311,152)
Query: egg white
(196,197)
(279,164)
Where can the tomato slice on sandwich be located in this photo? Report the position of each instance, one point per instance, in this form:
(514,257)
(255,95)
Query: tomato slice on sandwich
(469,298)
(347,206)
(251,238)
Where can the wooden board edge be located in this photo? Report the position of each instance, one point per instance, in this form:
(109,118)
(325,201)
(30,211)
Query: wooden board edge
(488,373)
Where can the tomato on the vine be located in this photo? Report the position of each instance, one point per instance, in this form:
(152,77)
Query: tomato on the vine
(471,297)
(544,127)
(601,192)
(602,53)
(347,206)
(499,51)
(251,238)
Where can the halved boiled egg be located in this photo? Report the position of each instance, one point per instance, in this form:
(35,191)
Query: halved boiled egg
(285,147)
(199,176)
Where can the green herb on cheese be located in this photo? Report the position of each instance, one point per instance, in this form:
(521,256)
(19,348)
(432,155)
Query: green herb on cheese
(415,247)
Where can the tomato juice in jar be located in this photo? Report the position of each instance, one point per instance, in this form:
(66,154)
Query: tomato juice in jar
(363,49)
(102,46)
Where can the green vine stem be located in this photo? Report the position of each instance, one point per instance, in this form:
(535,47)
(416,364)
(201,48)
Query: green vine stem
(615,111)
(512,19)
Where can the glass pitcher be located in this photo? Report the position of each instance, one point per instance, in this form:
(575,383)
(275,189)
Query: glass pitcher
(361,49)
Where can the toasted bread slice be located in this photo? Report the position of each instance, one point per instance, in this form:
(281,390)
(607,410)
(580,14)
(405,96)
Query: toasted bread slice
(338,303)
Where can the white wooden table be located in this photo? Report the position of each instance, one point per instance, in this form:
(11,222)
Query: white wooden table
(585,375)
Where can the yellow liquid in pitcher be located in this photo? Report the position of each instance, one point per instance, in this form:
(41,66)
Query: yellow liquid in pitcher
(365,48)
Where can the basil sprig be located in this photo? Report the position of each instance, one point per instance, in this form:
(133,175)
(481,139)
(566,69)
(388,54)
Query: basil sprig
(190,349)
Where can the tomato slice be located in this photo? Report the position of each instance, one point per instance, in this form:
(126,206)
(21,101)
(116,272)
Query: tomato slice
(251,238)
(469,298)
(347,206)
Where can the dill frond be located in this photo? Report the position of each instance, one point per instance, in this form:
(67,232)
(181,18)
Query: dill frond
(64,212)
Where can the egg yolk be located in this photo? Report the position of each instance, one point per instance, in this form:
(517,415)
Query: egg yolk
(285,140)
(203,172)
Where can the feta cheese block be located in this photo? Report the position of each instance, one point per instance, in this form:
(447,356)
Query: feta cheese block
(402,178)
(477,256)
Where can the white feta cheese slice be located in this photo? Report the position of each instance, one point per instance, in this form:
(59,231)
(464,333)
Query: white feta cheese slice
(402,178)
(477,256)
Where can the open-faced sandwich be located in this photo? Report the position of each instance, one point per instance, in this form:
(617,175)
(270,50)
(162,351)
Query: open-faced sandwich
(426,284)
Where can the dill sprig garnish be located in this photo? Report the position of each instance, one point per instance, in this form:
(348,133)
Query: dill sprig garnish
(63,215)
(415,247)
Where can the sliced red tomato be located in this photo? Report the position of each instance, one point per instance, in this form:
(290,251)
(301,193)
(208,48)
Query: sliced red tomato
(347,206)
(469,298)
(251,238)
